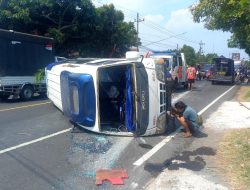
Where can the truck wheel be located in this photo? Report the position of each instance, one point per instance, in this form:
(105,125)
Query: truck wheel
(27,92)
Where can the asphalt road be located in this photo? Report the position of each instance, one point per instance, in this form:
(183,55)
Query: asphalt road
(70,160)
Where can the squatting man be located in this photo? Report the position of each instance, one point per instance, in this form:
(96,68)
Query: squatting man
(188,118)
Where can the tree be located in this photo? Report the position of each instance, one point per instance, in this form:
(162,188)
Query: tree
(227,15)
(189,54)
(200,58)
(76,25)
(210,56)
(114,36)
(247,63)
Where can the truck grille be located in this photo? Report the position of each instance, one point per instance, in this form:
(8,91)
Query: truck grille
(162,97)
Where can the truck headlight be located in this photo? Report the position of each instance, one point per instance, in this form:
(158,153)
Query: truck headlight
(161,124)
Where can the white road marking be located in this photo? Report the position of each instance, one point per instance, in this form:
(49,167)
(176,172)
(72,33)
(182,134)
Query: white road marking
(48,136)
(34,141)
(137,163)
(150,153)
(28,106)
(209,105)
(133,185)
(156,148)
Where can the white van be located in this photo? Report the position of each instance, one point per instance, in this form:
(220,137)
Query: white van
(112,96)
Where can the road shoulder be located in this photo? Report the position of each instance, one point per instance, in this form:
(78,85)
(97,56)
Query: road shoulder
(197,166)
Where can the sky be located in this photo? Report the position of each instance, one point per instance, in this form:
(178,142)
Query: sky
(168,25)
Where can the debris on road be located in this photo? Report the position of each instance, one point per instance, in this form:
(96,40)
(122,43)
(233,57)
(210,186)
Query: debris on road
(115,176)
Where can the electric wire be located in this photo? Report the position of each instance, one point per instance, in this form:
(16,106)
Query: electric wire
(131,14)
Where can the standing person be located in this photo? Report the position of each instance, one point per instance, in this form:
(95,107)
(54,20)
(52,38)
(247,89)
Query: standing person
(187,117)
(198,71)
(191,74)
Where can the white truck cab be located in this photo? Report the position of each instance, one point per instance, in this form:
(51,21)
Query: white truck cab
(112,96)
(175,64)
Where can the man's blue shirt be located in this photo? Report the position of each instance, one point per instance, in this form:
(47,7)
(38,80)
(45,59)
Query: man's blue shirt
(190,114)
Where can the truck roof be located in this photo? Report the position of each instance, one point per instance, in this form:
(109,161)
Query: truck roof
(89,62)
(163,53)
(23,54)
(10,34)
(90,67)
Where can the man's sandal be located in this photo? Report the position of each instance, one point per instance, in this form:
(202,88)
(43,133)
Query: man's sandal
(187,135)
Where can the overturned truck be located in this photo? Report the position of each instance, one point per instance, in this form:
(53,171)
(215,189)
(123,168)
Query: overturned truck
(112,96)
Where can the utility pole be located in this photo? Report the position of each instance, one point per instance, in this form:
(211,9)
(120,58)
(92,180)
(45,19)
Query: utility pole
(137,29)
(201,48)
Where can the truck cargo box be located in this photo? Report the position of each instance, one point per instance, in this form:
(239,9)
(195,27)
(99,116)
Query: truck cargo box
(23,54)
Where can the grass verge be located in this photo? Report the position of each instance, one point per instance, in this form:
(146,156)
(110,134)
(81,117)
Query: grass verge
(234,158)
(247,95)
(243,94)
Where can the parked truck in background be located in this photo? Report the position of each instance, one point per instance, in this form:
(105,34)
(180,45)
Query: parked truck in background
(21,55)
(175,64)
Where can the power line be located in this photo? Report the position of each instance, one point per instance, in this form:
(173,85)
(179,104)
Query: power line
(128,13)
(166,32)
(144,41)
(155,35)
(125,12)
(165,39)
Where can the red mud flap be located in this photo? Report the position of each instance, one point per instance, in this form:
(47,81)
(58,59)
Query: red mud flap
(114,176)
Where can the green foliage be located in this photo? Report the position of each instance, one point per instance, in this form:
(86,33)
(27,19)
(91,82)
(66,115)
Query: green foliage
(205,59)
(39,75)
(200,58)
(210,56)
(193,58)
(189,54)
(76,25)
(227,15)
(247,63)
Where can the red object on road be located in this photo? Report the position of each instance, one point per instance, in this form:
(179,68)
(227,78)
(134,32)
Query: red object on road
(115,176)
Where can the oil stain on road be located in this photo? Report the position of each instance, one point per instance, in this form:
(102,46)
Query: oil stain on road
(191,160)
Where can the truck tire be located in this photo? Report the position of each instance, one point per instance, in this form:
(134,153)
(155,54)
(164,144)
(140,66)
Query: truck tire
(26,92)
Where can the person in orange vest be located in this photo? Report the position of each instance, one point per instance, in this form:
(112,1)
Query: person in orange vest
(191,74)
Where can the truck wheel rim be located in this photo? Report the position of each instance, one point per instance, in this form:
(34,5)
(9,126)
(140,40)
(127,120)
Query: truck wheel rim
(27,93)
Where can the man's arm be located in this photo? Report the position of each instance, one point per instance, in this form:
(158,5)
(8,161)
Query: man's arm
(183,123)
